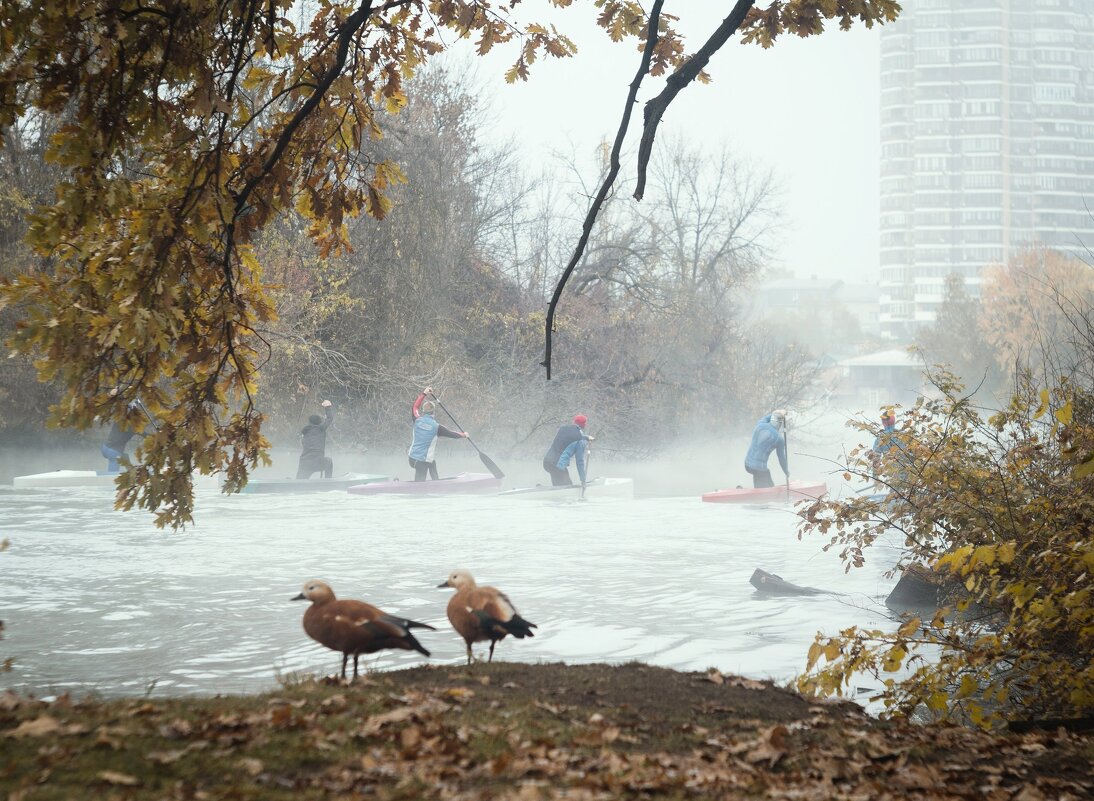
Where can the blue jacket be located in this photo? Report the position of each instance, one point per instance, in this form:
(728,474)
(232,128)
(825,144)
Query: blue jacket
(426,431)
(883,441)
(765,438)
(424,441)
(565,436)
(575,450)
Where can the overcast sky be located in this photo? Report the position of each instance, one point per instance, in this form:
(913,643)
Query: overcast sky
(808,108)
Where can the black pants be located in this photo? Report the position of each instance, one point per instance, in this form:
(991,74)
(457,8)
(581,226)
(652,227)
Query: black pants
(559,477)
(761,479)
(310,464)
(421,468)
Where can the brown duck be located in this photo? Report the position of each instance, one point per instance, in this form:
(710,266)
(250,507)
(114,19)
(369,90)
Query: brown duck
(354,627)
(483,613)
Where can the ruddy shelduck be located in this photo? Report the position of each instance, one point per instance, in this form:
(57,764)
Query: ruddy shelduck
(482,613)
(354,627)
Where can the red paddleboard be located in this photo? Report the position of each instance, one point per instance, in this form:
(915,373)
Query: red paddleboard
(810,490)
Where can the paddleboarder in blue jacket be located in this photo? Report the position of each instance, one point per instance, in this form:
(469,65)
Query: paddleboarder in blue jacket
(424,441)
(767,436)
(118,438)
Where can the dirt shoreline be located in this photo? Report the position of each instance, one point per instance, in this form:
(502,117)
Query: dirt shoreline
(517,731)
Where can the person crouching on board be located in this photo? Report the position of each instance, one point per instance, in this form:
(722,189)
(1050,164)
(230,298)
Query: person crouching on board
(117,440)
(767,436)
(425,432)
(570,442)
(313,446)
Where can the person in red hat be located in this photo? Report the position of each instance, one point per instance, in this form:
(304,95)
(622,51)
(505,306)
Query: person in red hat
(570,442)
(884,440)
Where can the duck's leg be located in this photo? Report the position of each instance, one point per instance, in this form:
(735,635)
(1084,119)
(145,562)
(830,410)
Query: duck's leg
(345,659)
(355,658)
(492,644)
(469,657)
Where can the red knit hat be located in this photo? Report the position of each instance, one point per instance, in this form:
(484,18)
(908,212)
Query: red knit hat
(581,420)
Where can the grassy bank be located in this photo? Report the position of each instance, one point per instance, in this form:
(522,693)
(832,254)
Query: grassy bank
(516,731)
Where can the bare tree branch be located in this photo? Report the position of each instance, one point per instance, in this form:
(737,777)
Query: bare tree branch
(609,179)
(678,80)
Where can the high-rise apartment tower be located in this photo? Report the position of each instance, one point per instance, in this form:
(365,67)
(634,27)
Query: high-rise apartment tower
(987,142)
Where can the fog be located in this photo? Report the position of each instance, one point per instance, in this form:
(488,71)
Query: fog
(687,466)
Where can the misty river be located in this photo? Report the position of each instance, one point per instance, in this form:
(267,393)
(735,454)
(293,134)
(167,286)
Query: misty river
(100,601)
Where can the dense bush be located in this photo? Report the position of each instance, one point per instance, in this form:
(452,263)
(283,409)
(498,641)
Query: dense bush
(1001,508)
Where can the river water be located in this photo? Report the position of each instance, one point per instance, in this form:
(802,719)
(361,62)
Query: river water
(100,601)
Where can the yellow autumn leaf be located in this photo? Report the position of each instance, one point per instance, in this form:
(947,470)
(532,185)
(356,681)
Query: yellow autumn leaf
(894,658)
(395,102)
(909,628)
(815,651)
(1043,407)
(967,688)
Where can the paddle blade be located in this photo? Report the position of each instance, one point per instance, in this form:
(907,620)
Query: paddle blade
(488,463)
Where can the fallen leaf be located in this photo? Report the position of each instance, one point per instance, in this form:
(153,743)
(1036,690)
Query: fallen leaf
(176,729)
(335,702)
(410,737)
(1029,793)
(114,777)
(39,727)
(165,757)
(747,684)
(252,766)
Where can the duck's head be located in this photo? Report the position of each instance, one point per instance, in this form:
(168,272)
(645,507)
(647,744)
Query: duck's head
(316,592)
(458,579)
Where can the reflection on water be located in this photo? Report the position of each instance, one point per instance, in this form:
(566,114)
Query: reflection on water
(97,600)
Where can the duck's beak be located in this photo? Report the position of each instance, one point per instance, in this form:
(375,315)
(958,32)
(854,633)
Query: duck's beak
(443,584)
(299,597)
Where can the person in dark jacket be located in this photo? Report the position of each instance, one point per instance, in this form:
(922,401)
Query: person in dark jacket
(570,442)
(767,436)
(313,452)
(424,438)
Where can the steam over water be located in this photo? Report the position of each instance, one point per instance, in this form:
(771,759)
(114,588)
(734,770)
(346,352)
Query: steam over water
(96,600)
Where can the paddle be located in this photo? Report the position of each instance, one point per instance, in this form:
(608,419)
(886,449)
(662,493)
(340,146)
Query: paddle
(148,414)
(486,460)
(786,447)
(588,457)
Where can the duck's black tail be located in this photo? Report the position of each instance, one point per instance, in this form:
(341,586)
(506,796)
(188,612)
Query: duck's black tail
(412,643)
(519,627)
